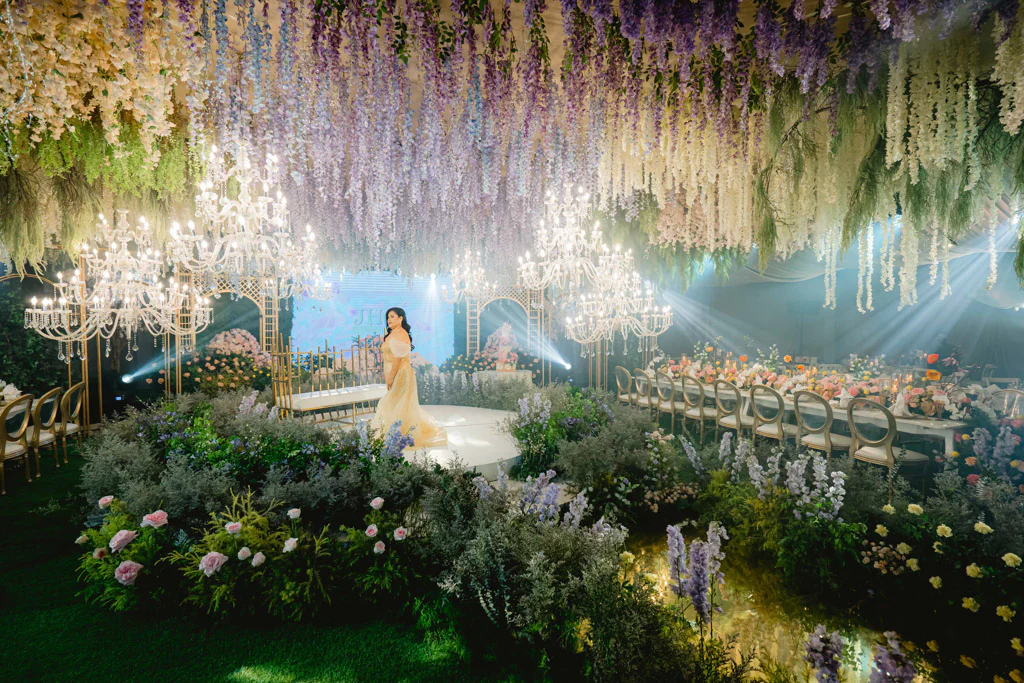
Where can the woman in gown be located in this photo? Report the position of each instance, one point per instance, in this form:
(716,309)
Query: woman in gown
(402,402)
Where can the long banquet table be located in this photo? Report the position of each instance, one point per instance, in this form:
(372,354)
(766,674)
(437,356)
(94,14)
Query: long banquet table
(920,426)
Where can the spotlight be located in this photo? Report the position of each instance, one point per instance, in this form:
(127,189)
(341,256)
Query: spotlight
(127,379)
(568,366)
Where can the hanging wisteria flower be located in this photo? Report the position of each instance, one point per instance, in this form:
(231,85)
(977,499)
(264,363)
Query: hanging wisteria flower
(378,547)
(823,651)
(891,663)
(290,545)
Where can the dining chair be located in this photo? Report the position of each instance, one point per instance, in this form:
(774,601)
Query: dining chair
(880,451)
(727,393)
(818,437)
(1008,402)
(768,417)
(667,398)
(645,398)
(13,445)
(41,432)
(694,399)
(70,417)
(624,382)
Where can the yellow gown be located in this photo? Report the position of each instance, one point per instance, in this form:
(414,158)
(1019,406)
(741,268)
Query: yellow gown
(402,402)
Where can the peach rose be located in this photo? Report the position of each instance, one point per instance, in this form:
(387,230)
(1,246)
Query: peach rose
(155,519)
(212,562)
(121,539)
(105,502)
(127,572)
(233,527)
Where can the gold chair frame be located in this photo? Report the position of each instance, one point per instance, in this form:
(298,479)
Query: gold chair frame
(17,437)
(825,430)
(644,397)
(1015,406)
(760,419)
(41,427)
(723,412)
(885,442)
(624,384)
(70,416)
(698,405)
(667,397)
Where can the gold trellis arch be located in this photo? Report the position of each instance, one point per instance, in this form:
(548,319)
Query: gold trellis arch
(257,290)
(532,301)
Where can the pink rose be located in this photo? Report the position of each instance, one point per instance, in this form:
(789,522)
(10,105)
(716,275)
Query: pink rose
(244,553)
(258,559)
(294,513)
(1017,424)
(371,530)
(212,562)
(290,544)
(378,547)
(917,391)
(155,519)
(105,502)
(400,533)
(973,479)
(233,527)
(99,553)
(377,503)
(127,572)
(121,539)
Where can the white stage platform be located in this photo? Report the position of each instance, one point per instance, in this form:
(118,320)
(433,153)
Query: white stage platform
(475,437)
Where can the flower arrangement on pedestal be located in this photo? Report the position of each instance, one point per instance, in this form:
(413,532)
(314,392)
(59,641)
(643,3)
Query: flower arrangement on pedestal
(231,360)
(499,348)
(865,367)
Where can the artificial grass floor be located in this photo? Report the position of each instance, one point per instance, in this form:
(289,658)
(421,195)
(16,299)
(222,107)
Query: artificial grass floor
(50,634)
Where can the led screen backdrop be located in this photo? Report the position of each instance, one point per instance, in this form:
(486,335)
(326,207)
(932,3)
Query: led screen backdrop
(359,303)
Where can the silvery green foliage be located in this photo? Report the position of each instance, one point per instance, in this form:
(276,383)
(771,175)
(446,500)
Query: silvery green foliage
(113,466)
(323,490)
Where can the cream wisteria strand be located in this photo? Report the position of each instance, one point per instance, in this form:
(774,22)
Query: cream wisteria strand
(946,289)
(910,257)
(887,255)
(993,257)
(1009,70)
(933,254)
(831,253)
(865,270)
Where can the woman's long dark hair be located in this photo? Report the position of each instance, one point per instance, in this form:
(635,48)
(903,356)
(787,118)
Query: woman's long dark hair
(400,312)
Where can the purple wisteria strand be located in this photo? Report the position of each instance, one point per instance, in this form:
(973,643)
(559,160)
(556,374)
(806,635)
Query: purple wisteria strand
(982,440)
(539,498)
(694,458)
(725,449)
(891,664)
(823,651)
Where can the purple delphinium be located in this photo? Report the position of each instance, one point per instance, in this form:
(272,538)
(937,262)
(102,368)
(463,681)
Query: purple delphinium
(691,455)
(716,534)
(824,653)
(890,663)
(536,497)
(577,508)
(725,449)
(982,440)
(698,583)
(676,559)
(1006,443)
(482,487)
(395,442)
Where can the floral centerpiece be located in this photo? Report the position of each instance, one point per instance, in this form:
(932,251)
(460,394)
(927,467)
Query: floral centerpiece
(231,360)
(8,392)
(865,367)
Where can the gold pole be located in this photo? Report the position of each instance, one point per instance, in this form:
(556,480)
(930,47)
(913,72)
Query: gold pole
(99,376)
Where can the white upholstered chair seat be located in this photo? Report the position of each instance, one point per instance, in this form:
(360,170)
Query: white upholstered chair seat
(66,427)
(817,441)
(645,401)
(12,449)
(700,412)
(730,421)
(45,439)
(625,398)
(876,454)
(772,430)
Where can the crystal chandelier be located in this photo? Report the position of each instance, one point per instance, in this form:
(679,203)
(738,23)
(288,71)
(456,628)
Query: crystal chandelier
(469,279)
(119,289)
(246,234)
(619,304)
(565,249)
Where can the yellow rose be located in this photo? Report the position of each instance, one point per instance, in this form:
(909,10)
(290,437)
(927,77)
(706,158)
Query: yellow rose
(627,557)
(650,577)
(982,528)
(954,454)
(937,547)
(936,582)
(1016,676)
(932,645)
(998,679)
(1005,613)
(912,563)
(888,509)
(915,509)
(1011,560)
(903,549)
(881,531)
(967,661)
(971,604)
(965,437)
(944,531)
(1016,645)
(974,571)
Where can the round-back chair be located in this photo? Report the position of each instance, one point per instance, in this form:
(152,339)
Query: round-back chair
(809,407)
(14,419)
(729,408)
(880,451)
(768,410)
